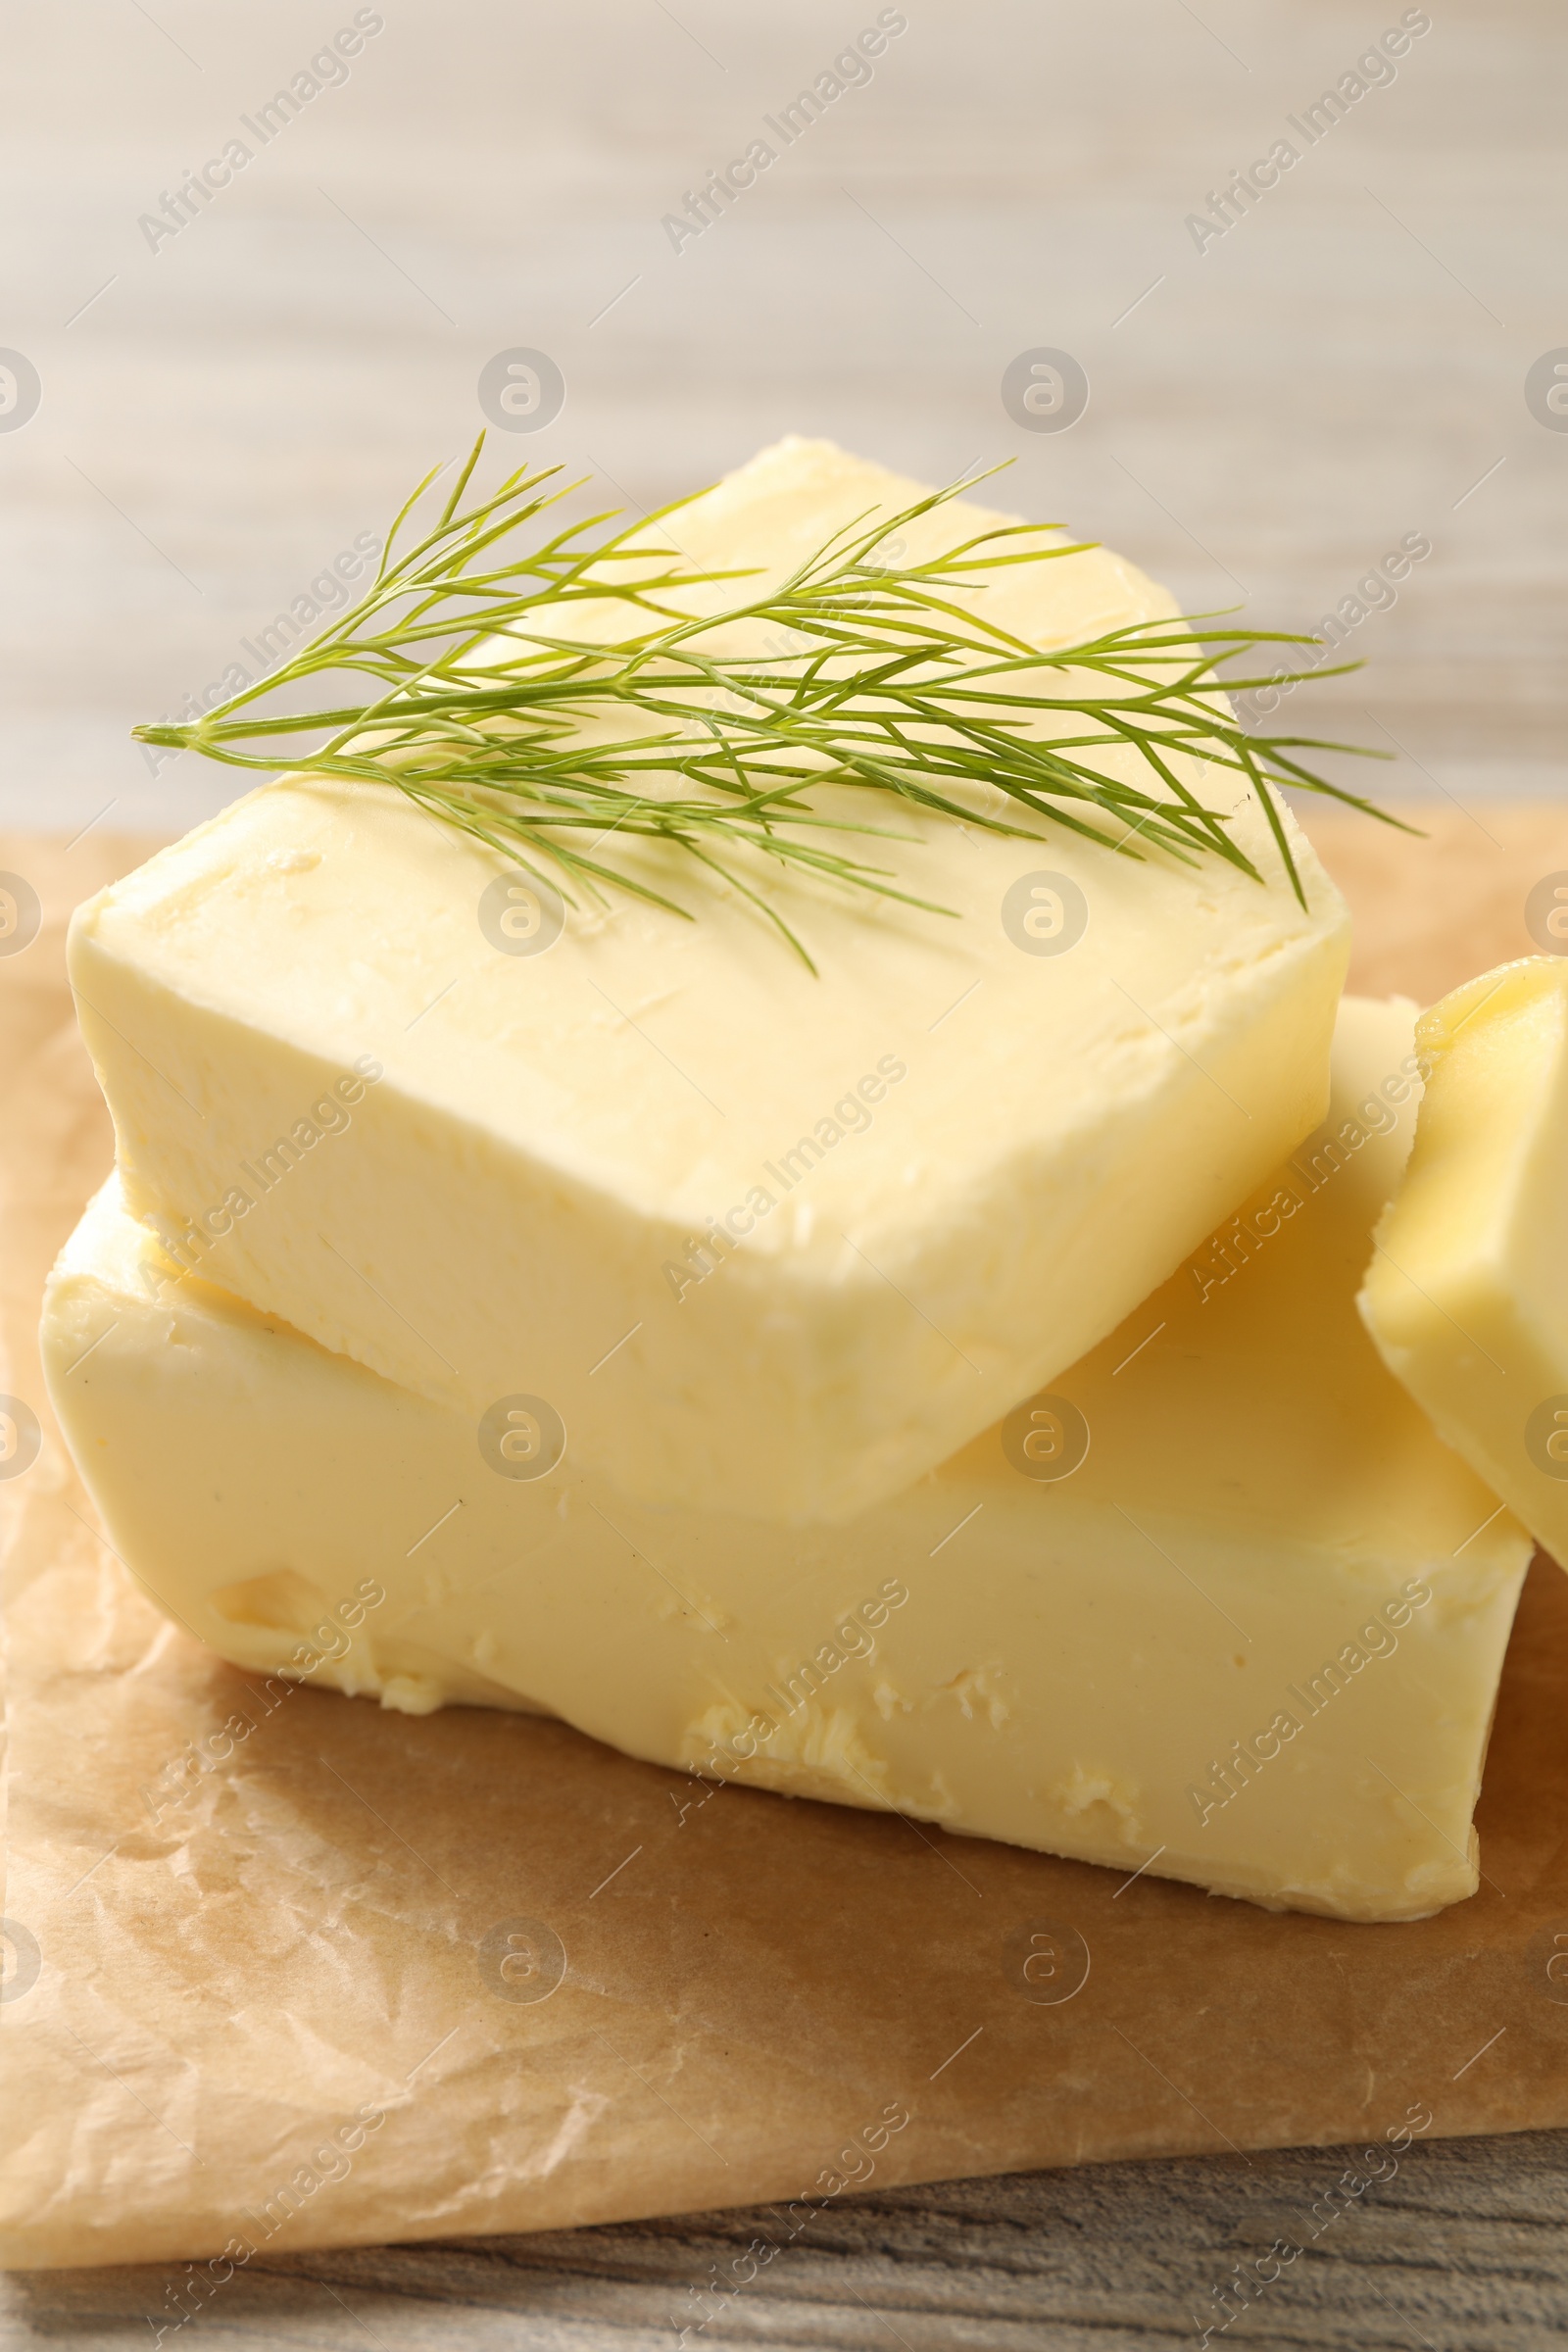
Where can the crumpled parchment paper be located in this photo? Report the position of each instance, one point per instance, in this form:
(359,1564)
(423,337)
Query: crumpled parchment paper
(295,1972)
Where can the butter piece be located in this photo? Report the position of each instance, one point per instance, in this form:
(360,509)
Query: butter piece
(1467,1291)
(766,1242)
(1251,1639)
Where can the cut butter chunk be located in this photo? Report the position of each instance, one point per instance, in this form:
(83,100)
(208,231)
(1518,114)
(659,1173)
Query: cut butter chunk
(1467,1291)
(1218,1604)
(764,1242)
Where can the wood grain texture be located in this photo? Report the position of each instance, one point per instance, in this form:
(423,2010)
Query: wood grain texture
(1462,2251)
(222,414)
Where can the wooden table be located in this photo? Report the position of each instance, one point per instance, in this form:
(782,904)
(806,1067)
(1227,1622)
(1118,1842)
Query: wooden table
(1463,2253)
(1267,419)
(224,413)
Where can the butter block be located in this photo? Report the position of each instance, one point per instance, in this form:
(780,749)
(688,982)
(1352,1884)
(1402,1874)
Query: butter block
(766,1242)
(1467,1293)
(1218,1604)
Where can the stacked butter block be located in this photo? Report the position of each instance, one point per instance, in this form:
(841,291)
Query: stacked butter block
(931,1383)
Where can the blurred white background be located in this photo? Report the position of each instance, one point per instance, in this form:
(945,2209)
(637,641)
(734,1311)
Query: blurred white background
(222,414)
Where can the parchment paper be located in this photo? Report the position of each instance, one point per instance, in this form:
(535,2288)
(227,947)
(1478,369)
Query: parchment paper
(300,2007)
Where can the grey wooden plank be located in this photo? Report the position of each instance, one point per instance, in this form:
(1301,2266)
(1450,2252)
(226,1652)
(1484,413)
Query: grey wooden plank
(1463,2247)
(1344,366)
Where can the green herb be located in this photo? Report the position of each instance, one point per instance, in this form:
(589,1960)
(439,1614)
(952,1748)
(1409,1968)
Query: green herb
(882,681)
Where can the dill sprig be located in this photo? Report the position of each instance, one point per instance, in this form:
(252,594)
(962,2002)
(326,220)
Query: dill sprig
(490,714)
